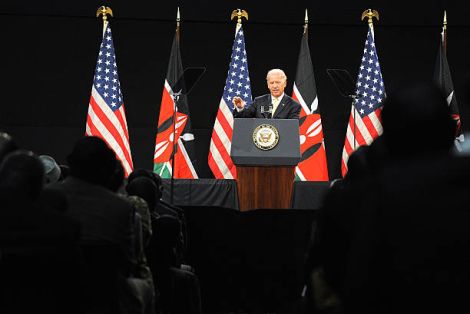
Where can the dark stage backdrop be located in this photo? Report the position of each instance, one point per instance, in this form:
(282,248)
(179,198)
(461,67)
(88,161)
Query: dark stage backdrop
(49,49)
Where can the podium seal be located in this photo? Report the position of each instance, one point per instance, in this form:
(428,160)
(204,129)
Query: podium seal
(265,137)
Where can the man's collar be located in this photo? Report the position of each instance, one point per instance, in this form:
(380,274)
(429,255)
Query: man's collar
(279,98)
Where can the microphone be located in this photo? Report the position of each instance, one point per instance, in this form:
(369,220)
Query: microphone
(267,111)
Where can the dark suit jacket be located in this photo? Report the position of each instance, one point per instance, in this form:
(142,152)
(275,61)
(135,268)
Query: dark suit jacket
(288,108)
(106,218)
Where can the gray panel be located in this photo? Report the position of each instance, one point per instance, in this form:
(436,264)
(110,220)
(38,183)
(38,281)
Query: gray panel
(244,151)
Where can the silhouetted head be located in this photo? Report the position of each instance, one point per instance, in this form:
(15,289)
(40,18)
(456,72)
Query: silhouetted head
(7,145)
(22,175)
(366,160)
(157,180)
(92,160)
(417,120)
(377,153)
(145,188)
(140,172)
(51,169)
(358,164)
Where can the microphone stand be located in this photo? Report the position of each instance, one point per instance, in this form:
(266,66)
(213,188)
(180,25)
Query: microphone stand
(184,85)
(267,114)
(346,88)
(175,97)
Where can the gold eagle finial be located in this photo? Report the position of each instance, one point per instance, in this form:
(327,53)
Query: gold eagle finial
(239,13)
(370,14)
(104,11)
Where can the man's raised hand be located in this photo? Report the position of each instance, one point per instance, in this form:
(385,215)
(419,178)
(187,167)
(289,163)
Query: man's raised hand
(238,102)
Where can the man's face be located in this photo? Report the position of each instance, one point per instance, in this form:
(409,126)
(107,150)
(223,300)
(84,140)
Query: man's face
(276,84)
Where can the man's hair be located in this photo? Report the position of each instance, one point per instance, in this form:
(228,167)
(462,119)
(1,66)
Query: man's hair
(145,173)
(276,71)
(145,188)
(22,174)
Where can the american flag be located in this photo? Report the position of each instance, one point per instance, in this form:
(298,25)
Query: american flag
(365,120)
(106,117)
(236,84)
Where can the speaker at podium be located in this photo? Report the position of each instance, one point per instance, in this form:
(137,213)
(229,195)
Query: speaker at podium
(265,152)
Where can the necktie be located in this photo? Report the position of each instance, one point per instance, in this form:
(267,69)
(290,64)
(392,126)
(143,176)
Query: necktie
(275,102)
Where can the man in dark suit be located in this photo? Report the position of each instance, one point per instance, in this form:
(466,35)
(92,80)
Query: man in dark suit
(275,105)
(106,218)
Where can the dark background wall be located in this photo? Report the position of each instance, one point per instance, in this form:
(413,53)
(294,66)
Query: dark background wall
(49,49)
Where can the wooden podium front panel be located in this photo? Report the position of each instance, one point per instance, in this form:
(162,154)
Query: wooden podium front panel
(264,186)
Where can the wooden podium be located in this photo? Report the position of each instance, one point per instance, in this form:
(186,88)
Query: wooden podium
(264,187)
(265,177)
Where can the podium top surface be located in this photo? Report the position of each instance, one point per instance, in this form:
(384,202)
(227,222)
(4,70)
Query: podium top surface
(285,153)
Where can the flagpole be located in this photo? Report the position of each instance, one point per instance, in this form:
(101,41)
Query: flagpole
(369,14)
(175,96)
(306,22)
(444,33)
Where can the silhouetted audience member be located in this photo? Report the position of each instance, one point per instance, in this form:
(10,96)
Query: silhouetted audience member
(416,122)
(39,259)
(161,207)
(107,222)
(405,254)
(140,282)
(355,262)
(52,199)
(106,218)
(145,225)
(179,289)
(336,226)
(22,179)
(145,192)
(145,188)
(140,172)
(140,184)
